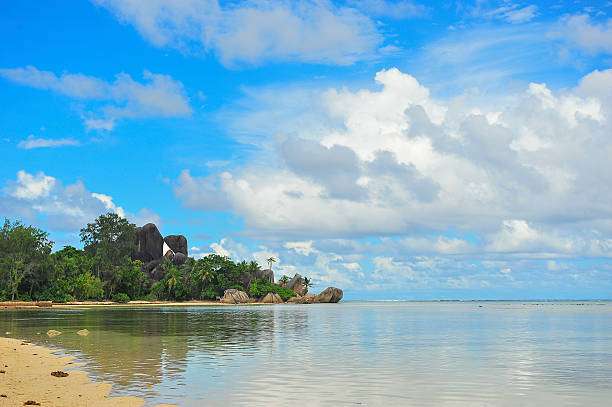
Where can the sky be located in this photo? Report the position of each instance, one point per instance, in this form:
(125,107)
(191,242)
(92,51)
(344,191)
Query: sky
(393,148)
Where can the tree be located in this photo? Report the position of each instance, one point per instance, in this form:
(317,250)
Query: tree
(270,261)
(109,235)
(307,284)
(23,249)
(283,280)
(109,241)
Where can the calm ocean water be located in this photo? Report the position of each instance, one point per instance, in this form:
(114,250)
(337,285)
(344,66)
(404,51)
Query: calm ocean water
(352,353)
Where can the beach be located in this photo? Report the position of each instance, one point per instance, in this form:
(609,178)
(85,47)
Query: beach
(26,377)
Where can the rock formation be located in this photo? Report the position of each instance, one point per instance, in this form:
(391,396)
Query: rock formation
(178,243)
(272,298)
(267,274)
(330,294)
(179,258)
(296,284)
(149,243)
(233,296)
(307,298)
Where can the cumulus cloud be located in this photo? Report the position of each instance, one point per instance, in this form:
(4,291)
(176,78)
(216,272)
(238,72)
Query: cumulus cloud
(529,175)
(158,96)
(43,199)
(252,32)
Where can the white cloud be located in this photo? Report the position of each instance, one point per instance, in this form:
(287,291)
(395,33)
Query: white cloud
(159,96)
(303,248)
(251,32)
(30,187)
(43,198)
(525,176)
(513,13)
(110,205)
(581,32)
(33,142)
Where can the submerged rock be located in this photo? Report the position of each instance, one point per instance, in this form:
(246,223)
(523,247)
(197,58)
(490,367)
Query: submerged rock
(83,332)
(52,332)
(330,294)
(233,296)
(272,298)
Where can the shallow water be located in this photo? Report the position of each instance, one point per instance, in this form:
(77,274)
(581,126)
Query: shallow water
(352,353)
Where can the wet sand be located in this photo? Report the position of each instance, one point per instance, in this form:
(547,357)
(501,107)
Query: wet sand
(25,376)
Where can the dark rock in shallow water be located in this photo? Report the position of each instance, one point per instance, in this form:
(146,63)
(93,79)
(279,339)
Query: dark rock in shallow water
(178,243)
(330,294)
(149,243)
(296,284)
(179,258)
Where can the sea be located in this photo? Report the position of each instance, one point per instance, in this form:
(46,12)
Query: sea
(371,353)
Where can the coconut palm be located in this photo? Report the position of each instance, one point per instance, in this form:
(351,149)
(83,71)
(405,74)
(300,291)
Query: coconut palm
(283,280)
(270,261)
(307,283)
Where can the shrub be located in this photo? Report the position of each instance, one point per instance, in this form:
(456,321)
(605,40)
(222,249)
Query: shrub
(121,297)
(262,286)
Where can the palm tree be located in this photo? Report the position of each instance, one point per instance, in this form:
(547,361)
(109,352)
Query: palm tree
(283,280)
(270,261)
(307,283)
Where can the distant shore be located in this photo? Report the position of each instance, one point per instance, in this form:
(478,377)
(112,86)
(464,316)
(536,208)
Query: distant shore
(31,373)
(78,304)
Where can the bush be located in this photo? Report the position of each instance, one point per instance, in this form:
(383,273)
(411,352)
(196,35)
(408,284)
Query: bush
(262,286)
(121,297)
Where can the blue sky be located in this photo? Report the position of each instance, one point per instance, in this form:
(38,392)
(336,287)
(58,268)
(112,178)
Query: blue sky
(395,149)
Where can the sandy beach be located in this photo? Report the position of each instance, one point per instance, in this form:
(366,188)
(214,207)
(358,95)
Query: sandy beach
(26,377)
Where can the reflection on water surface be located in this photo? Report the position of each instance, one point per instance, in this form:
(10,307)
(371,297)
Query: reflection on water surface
(368,353)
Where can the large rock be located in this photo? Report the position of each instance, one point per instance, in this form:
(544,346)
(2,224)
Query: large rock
(178,259)
(267,274)
(296,284)
(149,243)
(233,296)
(307,298)
(149,266)
(330,294)
(272,298)
(178,243)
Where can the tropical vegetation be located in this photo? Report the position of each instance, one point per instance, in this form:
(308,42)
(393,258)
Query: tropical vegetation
(104,269)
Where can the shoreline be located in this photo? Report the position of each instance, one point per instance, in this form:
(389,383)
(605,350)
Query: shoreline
(26,375)
(83,304)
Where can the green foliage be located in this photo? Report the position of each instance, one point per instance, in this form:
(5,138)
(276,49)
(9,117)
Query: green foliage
(262,286)
(284,280)
(24,251)
(172,287)
(87,287)
(104,269)
(210,276)
(306,284)
(121,298)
